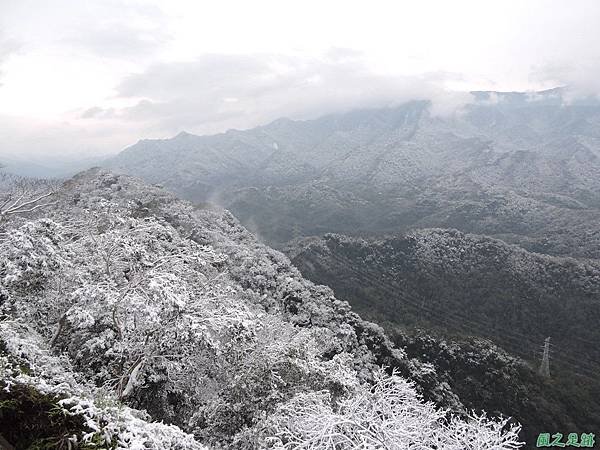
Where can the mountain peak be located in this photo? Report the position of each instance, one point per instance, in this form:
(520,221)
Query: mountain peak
(183,135)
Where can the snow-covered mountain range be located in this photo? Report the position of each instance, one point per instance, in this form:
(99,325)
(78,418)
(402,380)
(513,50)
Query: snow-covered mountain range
(523,167)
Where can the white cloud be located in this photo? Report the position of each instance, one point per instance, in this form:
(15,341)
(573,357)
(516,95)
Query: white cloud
(580,79)
(133,69)
(118,40)
(216,92)
(8,47)
(42,140)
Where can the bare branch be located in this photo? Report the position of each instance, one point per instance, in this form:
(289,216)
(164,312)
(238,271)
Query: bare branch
(21,207)
(8,200)
(21,211)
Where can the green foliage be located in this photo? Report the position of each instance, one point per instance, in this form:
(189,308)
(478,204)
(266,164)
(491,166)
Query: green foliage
(32,420)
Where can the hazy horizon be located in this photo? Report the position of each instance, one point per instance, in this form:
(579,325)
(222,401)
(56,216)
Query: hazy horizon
(107,74)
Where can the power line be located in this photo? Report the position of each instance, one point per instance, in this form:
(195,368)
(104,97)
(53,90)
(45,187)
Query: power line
(484,329)
(459,321)
(344,261)
(448,322)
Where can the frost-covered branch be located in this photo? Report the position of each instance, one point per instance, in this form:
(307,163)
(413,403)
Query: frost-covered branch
(20,206)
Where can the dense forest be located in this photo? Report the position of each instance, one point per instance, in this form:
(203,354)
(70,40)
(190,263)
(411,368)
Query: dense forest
(479,310)
(477,230)
(131,319)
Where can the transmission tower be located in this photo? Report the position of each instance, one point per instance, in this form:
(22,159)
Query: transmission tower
(545,366)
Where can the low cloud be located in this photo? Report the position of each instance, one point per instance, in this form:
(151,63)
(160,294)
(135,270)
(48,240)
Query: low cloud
(217,92)
(579,80)
(7,47)
(56,142)
(75,55)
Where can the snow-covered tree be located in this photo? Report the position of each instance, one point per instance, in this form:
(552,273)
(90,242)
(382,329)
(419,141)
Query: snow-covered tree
(180,312)
(20,195)
(385,415)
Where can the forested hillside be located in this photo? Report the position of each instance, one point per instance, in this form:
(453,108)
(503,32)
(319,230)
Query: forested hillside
(131,319)
(458,287)
(453,280)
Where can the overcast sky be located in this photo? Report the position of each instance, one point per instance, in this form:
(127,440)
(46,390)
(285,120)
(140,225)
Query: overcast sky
(91,77)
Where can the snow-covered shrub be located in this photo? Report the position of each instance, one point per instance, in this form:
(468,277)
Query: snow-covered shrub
(98,417)
(387,414)
(31,255)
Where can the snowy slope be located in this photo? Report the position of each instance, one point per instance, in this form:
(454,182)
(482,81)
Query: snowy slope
(120,298)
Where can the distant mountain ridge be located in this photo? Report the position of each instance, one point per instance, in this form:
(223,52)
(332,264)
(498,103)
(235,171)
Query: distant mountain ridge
(522,167)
